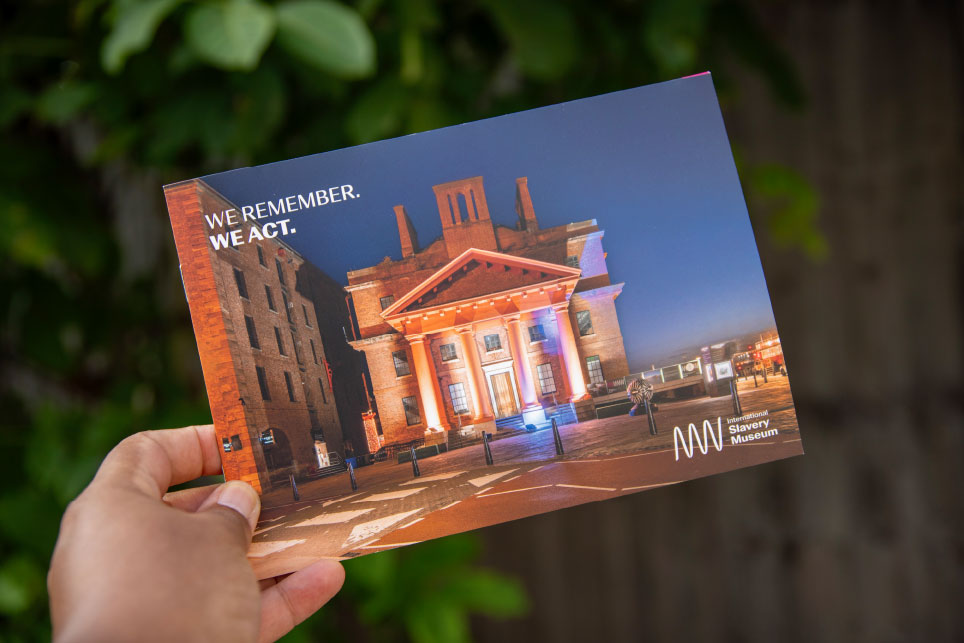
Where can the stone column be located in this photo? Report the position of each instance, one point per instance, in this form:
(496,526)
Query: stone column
(570,354)
(473,369)
(532,411)
(427,385)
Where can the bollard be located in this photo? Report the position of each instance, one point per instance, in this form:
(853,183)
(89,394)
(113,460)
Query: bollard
(765,380)
(351,476)
(415,471)
(487,449)
(755,385)
(649,416)
(557,438)
(294,487)
(736,399)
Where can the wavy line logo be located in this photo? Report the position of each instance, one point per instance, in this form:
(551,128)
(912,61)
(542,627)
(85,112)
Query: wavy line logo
(709,433)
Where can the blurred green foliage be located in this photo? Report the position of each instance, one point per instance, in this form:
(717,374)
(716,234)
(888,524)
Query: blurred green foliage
(103,101)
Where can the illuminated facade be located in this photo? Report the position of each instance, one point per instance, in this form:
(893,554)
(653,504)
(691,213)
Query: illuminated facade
(285,390)
(487,321)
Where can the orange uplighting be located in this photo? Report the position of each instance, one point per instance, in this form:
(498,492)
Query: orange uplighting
(570,354)
(426,384)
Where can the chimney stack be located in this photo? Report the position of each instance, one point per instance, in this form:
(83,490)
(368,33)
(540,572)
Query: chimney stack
(406,232)
(523,205)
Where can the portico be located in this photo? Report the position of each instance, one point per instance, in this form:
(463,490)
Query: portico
(489,296)
(489,326)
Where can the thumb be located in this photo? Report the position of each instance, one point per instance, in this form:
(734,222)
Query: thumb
(238,497)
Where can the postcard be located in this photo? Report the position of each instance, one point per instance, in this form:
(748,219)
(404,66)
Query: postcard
(448,330)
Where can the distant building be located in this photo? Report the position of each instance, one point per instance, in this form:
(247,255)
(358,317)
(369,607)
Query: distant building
(486,322)
(285,389)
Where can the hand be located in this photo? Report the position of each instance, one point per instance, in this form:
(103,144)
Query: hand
(135,563)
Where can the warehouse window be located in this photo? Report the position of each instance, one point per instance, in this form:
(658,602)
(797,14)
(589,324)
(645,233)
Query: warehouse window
(252,332)
(269,297)
(314,353)
(546,381)
(290,386)
(584,321)
(304,309)
(281,344)
(572,261)
(386,301)
(261,257)
(281,272)
(263,383)
(294,342)
(242,285)
(284,301)
(321,386)
(401,363)
(412,416)
(595,370)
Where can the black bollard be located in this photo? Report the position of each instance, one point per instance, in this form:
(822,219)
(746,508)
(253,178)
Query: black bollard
(737,409)
(487,449)
(755,385)
(557,438)
(649,416)
(351,476)
(765,380)
(294,487)
(415,471)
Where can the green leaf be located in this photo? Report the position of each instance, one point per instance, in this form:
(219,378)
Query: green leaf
(63,100)
(487,592)
(134,25)
(542,34)
(327,35)
(378,113)
(20,584)
(438,623)
(791,204)
(230,35)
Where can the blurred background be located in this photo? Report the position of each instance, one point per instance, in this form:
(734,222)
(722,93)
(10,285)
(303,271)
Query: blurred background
(846,121)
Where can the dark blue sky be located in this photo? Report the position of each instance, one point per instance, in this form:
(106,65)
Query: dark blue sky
(652,165)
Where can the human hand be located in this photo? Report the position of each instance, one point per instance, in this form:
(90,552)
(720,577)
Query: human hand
(135,563)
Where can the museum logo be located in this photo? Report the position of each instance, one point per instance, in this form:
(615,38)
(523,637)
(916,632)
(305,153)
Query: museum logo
(709,434)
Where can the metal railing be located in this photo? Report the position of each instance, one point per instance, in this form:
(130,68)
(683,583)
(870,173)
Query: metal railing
(672,373)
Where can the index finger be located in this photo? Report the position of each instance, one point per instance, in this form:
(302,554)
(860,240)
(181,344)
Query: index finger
(153,461)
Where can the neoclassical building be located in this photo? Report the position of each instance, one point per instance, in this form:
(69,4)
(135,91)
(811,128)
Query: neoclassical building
(486,321)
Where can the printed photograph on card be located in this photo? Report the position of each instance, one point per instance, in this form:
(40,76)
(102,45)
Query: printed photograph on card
(444,331)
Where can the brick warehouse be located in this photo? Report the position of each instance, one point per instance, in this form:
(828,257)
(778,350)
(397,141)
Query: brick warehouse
(486,322)
(284,387)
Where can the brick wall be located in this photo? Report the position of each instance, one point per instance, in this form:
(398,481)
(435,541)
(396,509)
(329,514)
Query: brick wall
(231,352)
(390,388)
(348,368)
(211,329)
(547,351)
(606,340)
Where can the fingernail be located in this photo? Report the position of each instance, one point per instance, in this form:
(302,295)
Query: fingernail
(241,497)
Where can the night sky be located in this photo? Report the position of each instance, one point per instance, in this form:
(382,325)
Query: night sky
(652,165)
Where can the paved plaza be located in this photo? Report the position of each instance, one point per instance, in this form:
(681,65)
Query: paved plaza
(457,491)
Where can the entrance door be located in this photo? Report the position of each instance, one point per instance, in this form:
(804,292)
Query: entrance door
(505,404)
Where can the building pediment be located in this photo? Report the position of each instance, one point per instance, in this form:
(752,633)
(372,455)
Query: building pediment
(476,274)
